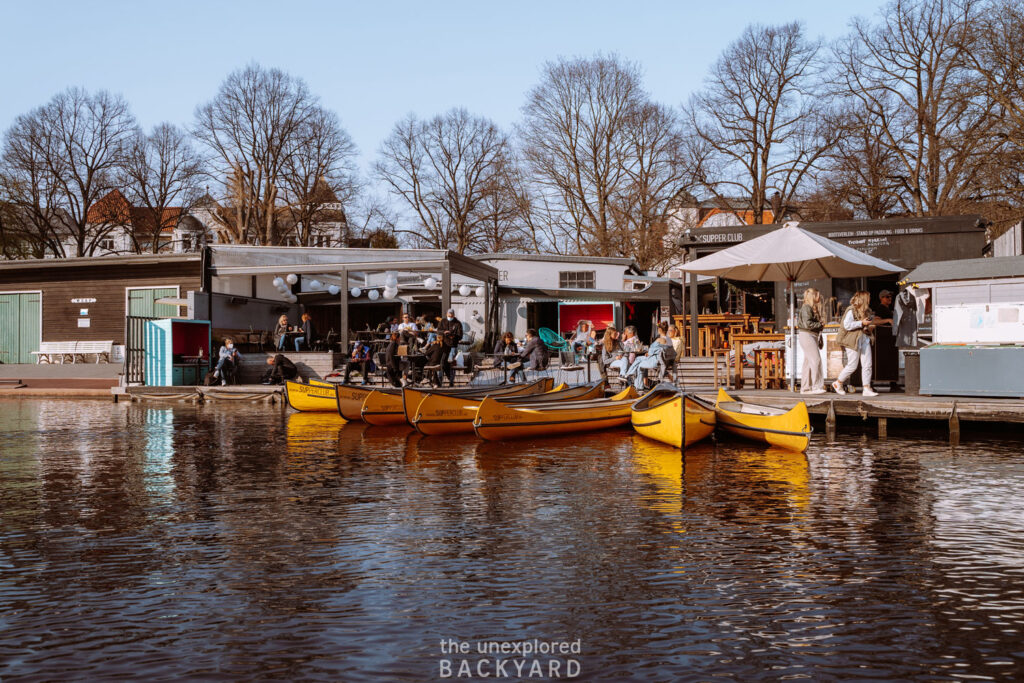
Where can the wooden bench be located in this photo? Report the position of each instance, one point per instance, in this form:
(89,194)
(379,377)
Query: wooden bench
(52,352)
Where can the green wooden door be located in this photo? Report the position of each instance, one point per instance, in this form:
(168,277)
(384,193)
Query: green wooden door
(142,302)
(20,315)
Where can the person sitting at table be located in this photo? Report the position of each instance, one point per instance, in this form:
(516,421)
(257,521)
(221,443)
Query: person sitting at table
(611,350)
(228,359)
(384,328)
(658,355)
(308,333)
(506,346)
(280,369)
(281,332)
(534,354)
(676,340)
(631,347)
(581,340)
(407,325)
(435,355)
(392,361)
(360,358)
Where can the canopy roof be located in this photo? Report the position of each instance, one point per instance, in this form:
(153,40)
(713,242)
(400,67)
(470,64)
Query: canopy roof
(790,254)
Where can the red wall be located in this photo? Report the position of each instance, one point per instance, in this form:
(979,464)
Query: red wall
(569,315)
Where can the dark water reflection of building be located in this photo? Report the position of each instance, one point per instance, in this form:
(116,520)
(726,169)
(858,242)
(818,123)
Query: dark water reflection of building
(201,541)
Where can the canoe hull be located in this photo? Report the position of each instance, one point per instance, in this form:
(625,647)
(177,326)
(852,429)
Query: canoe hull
(440,414)
(383,409)
(412,398)
(786,429)
(350,398)
(310,398)
(498,421)
(674,417)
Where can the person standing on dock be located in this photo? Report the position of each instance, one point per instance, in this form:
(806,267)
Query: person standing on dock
(855,338)
(809,326)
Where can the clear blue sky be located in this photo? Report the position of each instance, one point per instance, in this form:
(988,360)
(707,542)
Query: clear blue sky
(371,62)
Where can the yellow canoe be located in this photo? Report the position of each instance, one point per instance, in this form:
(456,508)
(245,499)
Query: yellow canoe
(789,429)
(496,420)
(412,397)
(384,408)
(440,414)
(312,398)
(350,398)
(668,414)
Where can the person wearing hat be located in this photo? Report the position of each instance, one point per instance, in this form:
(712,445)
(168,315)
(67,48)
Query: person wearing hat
(884,308)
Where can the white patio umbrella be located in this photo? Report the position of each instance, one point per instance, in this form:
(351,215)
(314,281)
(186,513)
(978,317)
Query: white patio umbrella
(790,254)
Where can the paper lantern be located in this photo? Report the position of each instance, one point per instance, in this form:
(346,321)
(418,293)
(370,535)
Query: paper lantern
(334,290)
(374,295)
(464,290)
(292,298)
(278,282)
(391,279)
(480,292)
(355,292)
(314,285)
(390,292)
(292,278)
(430,283)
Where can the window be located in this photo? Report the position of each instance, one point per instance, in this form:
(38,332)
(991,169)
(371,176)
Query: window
(577,279)
(186,242)
(107,244)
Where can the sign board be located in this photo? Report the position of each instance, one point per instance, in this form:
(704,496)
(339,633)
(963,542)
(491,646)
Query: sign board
(87,300)
(84,322)
(83,311)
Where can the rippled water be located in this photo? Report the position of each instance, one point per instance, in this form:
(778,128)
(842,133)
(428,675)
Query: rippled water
(243,542)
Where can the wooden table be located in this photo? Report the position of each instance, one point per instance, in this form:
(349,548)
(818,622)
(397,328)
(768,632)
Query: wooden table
(738,340)
(715,329)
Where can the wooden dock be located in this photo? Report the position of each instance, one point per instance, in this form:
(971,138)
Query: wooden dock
(189,394)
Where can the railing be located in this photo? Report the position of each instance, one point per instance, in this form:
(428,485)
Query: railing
(135,349)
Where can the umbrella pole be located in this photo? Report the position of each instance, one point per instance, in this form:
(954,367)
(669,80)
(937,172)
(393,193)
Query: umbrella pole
(792,334)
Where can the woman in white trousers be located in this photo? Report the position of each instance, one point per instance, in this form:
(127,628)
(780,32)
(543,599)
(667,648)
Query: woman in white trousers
(857,323)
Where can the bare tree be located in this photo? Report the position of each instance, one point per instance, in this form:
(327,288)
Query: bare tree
(443,169)
(912,74)
(859,170)
(657,166)
(575,144)
(761,119)
(319,178)
(252,128)
(60,160)
(161,177)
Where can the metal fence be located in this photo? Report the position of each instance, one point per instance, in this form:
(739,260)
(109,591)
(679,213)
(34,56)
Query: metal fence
(135,349)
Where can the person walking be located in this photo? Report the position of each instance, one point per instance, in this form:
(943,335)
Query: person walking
(855,338)
(809,326)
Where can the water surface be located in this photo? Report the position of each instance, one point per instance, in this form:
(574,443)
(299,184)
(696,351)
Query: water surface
(243,542)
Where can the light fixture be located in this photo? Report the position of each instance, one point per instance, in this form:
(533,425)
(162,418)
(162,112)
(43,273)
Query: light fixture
(292,298)
(314,285)
(430,283)
(391,279)
(390,292)
(292,278)
(480,292)
(464,290)
(355,292)
(373,295)
(278,282)
(334,290)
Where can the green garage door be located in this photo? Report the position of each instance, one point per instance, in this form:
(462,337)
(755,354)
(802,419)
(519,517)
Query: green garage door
(142,302)
(20,315)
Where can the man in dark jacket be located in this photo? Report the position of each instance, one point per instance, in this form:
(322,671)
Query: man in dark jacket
(360,360)
(451,324)
(280,369)
(534,354)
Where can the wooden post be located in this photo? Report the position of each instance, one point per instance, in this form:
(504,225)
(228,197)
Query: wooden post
(830,420)
(694,303)
(343,317)
(954,425)
(883,428)
(446,288)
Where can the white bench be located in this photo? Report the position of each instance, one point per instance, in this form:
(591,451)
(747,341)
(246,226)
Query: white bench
(54,352)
